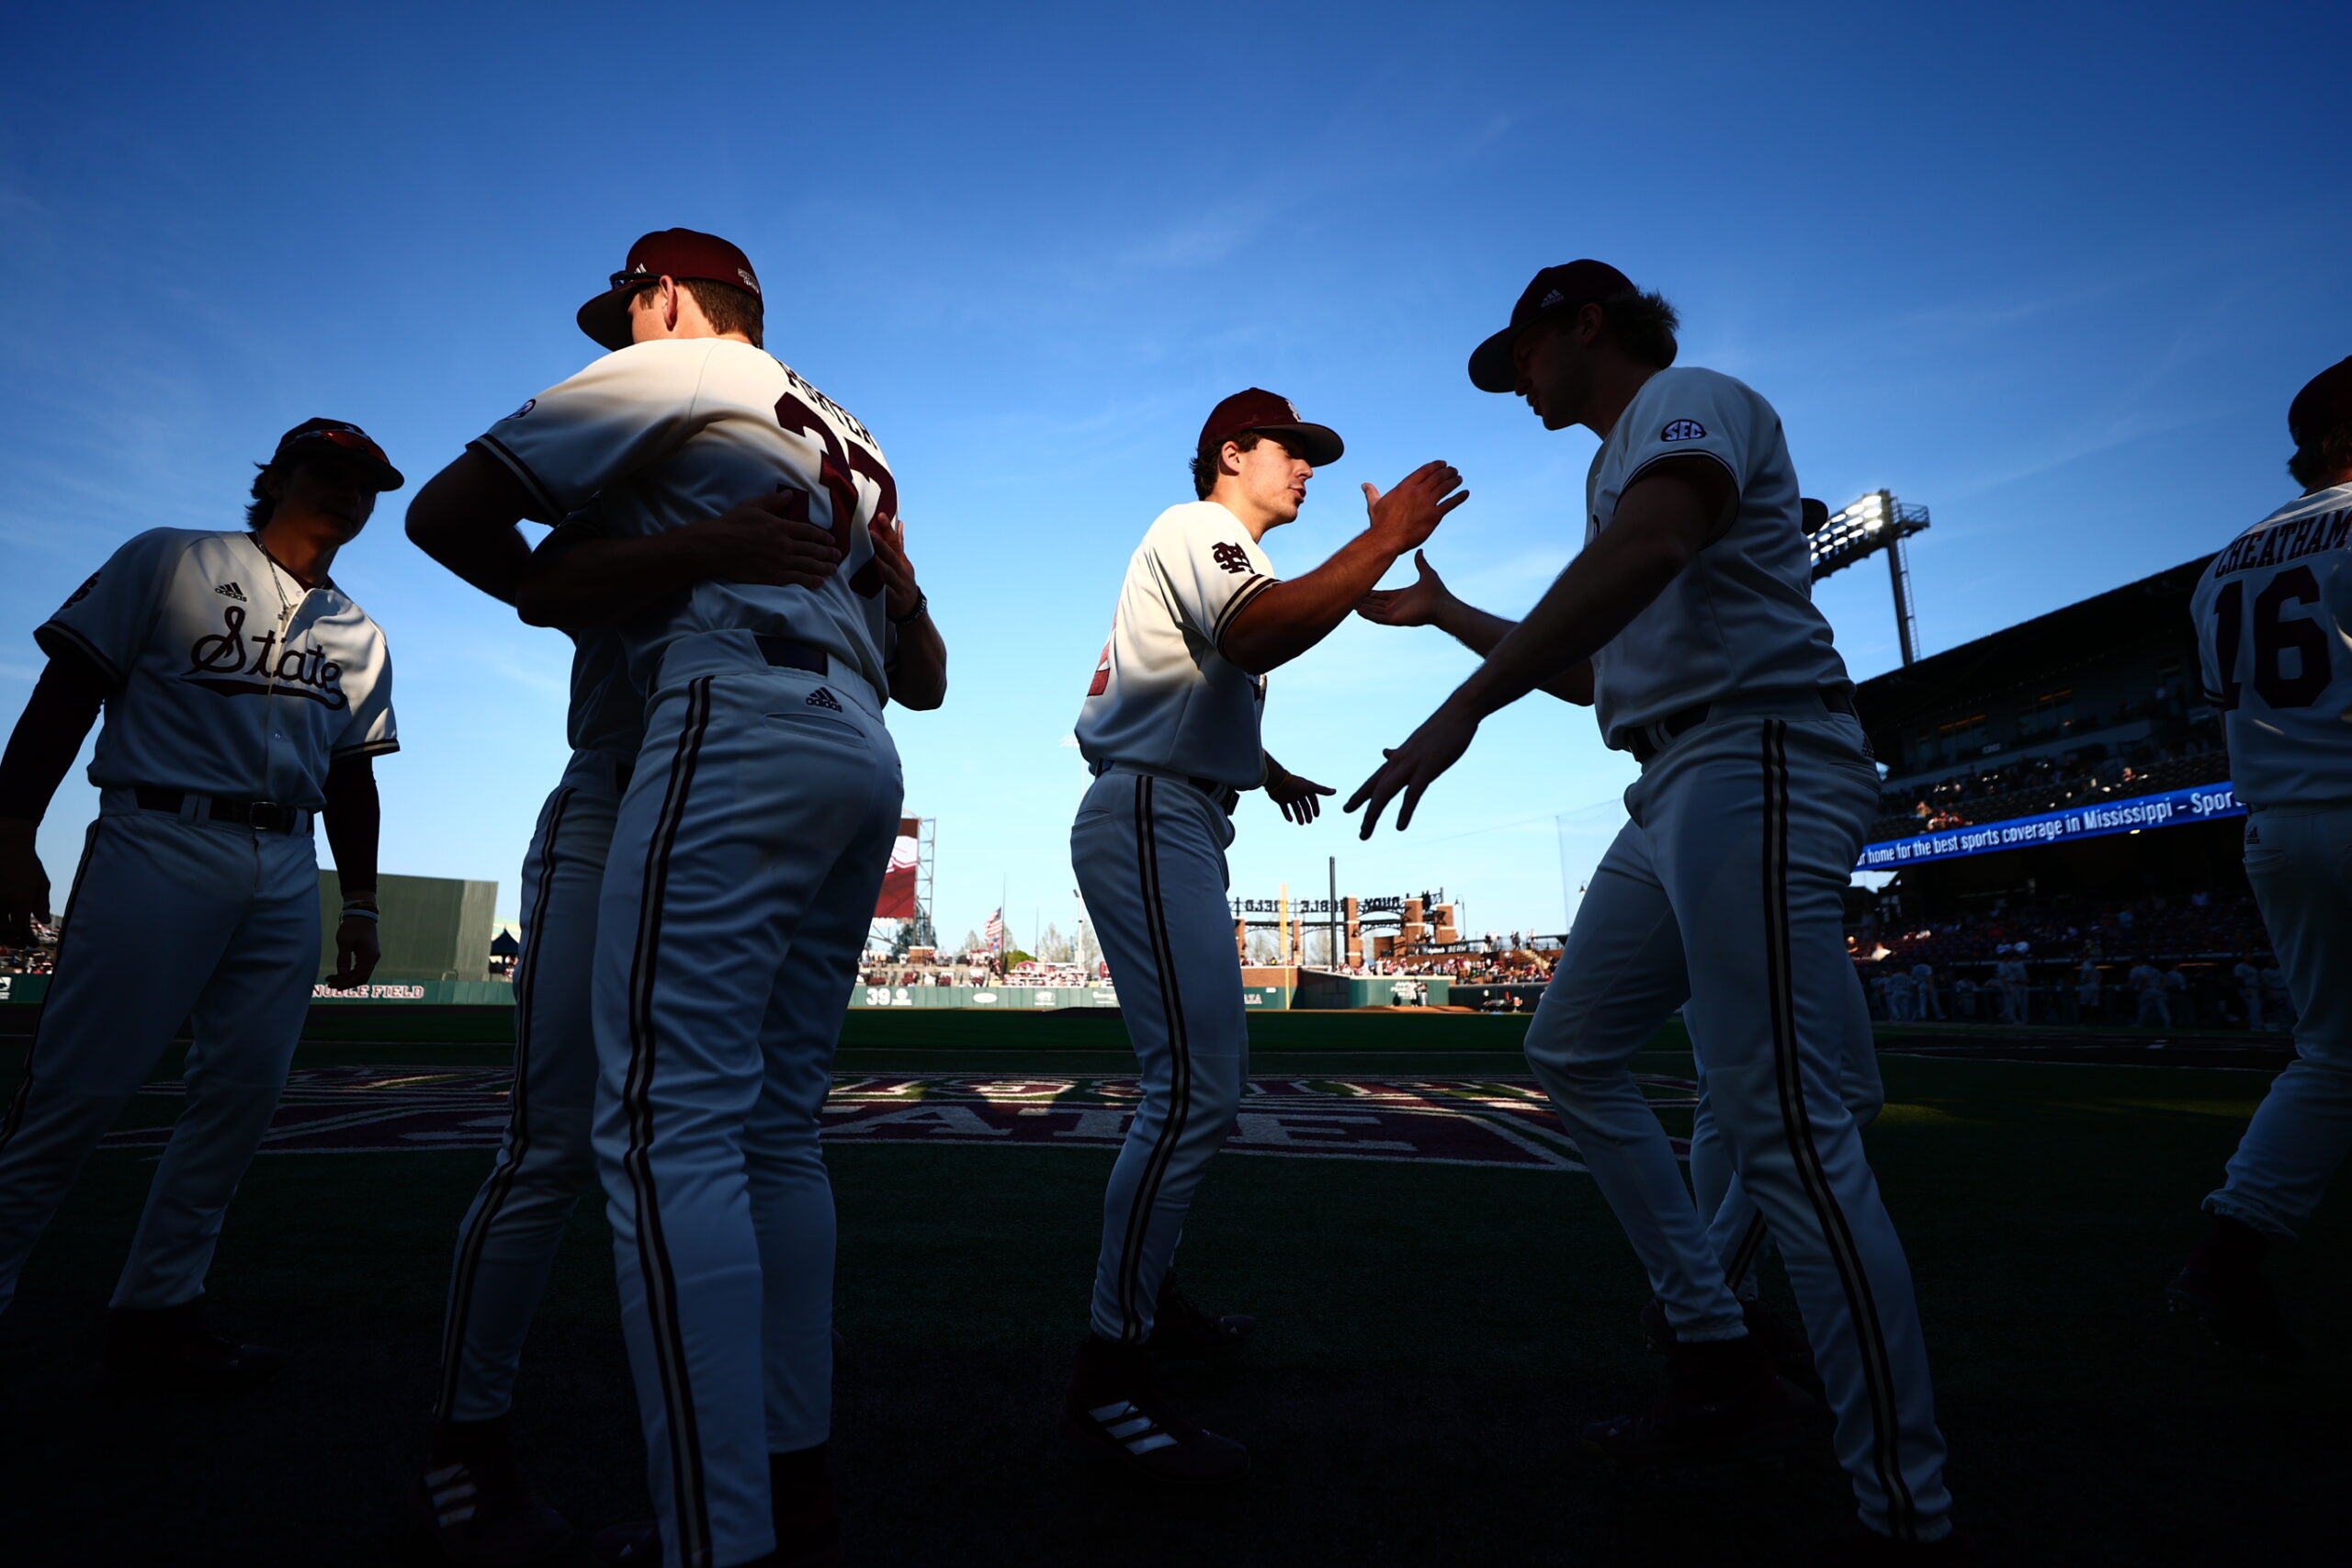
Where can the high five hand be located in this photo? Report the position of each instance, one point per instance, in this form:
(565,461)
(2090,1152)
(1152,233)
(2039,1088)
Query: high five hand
(1436,746)
(1417,604)
(1410,514)
(1298,798)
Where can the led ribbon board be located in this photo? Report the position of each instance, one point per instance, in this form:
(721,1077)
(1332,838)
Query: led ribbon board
(2204,803)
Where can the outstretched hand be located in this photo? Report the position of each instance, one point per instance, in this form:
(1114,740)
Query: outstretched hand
(1409,514)
(1411,768)
(1419,603)
(1299,798)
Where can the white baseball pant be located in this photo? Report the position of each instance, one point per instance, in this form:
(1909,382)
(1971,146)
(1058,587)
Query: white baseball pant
(745,869)
(2300,860)
(507,1242)
(1736,1233)
(170,918)
(1149,854)
(1729,879)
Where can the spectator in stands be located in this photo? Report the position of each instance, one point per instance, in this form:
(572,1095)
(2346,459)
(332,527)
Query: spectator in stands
(2010,980)
(2148,988)
(1928,1005)
(2086,990)
(2249,979)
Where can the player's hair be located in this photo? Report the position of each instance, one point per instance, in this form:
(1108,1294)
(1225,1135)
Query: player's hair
(726,308)
(2322,457)
(1643,324)
(263,504)
(1204,463)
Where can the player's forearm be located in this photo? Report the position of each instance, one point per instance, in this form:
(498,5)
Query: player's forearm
(354,819)
(1292,616)
(465,518)
(1480,632)
(49,734)
(919,668)
(1275,771)
(597,582)
(1657,532)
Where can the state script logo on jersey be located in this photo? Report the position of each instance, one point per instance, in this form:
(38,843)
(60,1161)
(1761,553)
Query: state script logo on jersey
(1683,429)
(1229,556)
(231,664)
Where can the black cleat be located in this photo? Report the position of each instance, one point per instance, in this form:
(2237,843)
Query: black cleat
(1182,1331)
(1786,1349)
(471,1505)
(172,1351)
(1114,1409)
(2238,1308)
(1726,1402)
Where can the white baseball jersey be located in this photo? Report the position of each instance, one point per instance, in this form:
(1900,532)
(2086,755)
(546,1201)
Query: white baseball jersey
(1164,695)
(1740,618)
(660,434)
(228,678)
(2274,633)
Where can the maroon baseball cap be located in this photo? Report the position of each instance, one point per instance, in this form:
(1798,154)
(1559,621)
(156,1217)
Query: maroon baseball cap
(2324,402)
(1258,409)
(313,436)
(672,253)
(1557,291)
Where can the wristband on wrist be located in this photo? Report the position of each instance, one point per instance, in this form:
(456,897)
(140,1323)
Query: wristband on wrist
(361,912)
(922,604)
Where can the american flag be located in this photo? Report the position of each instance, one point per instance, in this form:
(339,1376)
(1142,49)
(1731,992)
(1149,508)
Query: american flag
(994,935)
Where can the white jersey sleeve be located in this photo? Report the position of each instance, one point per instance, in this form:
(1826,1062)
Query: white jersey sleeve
(1164,695)
(621,413)
(1212,566)
(1740,619)
(2274,635)
(110,617)
(370,731)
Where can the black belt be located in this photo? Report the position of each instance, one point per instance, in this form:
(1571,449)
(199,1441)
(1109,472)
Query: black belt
(265,815)
(1226,796)
(790,653)
(1647,740)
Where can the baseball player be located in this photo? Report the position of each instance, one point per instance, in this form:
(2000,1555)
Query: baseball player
(2086,984)
(2148,990)
(1735,1226)
(2010,977)
(1170,729)
(1690,612)
(2273,623)
(471,1500)
(1929,1005)
(747,852)
(246,698)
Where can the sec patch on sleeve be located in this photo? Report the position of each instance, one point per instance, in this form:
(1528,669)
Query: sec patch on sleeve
(1683,429)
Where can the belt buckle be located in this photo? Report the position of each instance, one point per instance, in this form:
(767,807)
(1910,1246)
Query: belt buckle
(269,815)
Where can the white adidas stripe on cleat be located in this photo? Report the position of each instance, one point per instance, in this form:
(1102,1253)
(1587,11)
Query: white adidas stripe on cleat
(1135,1431)
(447,1498)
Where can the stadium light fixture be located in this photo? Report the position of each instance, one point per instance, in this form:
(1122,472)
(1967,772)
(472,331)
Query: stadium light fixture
(1876,521)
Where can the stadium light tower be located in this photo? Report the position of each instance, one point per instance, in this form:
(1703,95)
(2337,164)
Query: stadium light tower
(1877,522)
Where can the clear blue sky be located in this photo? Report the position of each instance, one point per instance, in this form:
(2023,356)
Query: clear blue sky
(2052,271)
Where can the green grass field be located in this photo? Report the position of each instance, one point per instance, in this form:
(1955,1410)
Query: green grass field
(1434,1338)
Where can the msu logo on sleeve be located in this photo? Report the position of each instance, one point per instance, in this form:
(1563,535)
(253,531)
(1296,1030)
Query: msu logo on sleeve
(1229,556)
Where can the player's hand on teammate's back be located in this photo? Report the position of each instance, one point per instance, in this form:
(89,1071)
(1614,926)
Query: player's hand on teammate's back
(900,592)
(356,954)
(24,885)
(1301,799)
(1419,603)
(1436,746)
(1409,513)
(758,540)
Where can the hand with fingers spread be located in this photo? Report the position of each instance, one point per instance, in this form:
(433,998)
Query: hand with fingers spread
(1421,603)
(1299,798)
(1411,768)
(768,539)
(1404,517)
